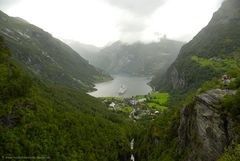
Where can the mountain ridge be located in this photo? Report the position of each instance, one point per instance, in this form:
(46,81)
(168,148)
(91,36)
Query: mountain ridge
(55,122)
(141,59)
(204,83)
(219,39)
(46,56)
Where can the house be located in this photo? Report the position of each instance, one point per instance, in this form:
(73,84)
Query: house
(112,105)
(141,100)
(135,102)
(156,112)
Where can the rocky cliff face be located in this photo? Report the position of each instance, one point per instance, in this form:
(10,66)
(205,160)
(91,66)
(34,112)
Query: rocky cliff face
(204,131)
(176,80)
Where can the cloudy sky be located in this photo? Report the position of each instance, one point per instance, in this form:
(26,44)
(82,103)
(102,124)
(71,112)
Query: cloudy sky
(100,22)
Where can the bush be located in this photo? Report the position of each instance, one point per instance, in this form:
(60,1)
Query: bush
(231,104)
(231,154)
(235,84)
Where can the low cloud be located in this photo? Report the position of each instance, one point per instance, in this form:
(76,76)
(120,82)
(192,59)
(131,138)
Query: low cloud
(134,20)
(138,7)
(100,21)
(131,28)
(132,25)
(4,4)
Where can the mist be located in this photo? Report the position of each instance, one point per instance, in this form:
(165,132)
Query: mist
(99,22)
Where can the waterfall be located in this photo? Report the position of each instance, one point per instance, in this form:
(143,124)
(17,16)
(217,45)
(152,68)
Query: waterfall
(132,157)
(132,147)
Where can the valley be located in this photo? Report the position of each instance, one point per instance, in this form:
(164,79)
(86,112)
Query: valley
(137,59)
(164,100)
(134,86)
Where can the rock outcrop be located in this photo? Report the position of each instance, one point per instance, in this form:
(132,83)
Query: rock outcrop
(205,131)
(176,80)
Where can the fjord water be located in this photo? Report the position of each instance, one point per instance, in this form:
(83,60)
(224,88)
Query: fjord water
(135,86)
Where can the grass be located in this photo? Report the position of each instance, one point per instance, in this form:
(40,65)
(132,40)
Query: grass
(224,65)
(156,106)
(141,96)
(157,101)
(160,98)
(118,99)
(126,109)
(204,62)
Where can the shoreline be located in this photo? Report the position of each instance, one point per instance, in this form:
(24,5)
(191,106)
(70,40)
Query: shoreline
(136,85)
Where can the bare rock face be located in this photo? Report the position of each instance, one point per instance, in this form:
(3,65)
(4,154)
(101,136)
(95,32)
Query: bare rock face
(176,80)
(204,131)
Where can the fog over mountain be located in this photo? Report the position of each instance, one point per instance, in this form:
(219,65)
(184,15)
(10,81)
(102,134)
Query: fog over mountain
(170,96)
(99,22)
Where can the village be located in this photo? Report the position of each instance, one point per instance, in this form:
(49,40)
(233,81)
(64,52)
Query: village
(139,107)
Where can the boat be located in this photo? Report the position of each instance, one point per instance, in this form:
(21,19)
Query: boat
(122,90)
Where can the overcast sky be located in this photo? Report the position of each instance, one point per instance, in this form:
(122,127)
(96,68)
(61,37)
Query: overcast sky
(99,22)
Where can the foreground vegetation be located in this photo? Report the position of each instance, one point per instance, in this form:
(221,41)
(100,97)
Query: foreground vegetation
(61,123)
(161,136)
(56,122)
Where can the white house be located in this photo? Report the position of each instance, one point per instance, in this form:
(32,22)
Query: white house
(141,100)
(112,105)
(134,101)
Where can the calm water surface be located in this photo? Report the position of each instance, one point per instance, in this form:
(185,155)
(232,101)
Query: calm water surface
(135,86)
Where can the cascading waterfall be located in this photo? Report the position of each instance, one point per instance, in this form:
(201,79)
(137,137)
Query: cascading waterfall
(132,147)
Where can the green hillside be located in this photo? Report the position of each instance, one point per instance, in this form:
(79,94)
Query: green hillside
(203,119)
(47,57)
(55,122)
(44,115)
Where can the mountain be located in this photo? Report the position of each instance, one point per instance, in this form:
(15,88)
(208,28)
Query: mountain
(204,85)
(138,58)
(55,122)
(204,129)
(88,52)
(47,57)
(219,40)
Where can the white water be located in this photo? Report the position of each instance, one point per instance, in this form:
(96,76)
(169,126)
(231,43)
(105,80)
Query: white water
(132,158)
(132,147)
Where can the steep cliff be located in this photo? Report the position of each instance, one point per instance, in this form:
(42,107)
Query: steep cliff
(204,130)
(219,39)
